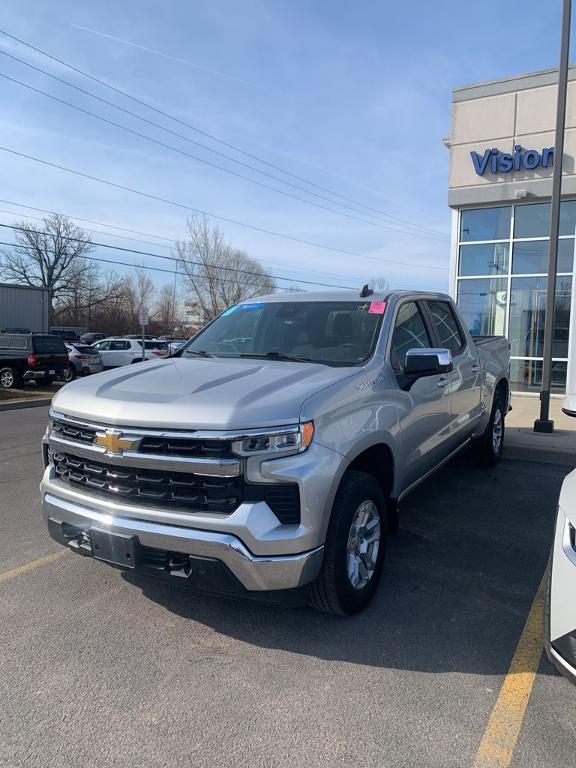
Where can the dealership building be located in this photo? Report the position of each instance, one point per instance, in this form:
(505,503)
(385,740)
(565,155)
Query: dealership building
(501,164)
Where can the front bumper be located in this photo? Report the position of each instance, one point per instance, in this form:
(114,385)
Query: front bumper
(69,523)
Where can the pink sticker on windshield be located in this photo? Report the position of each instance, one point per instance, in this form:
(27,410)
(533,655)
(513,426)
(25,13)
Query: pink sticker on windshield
(377,307)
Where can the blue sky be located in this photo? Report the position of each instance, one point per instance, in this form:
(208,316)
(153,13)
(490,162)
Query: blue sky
(353,96)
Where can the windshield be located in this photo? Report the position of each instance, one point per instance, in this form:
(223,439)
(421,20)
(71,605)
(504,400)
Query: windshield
(333,333)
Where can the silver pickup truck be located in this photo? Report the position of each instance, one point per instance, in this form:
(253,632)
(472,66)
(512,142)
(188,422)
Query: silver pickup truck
(268,456)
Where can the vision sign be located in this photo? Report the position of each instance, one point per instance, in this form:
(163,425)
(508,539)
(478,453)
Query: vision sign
(502,162)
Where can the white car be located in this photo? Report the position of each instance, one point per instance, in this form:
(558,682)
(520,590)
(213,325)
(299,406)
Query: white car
(560,620)
(120,351)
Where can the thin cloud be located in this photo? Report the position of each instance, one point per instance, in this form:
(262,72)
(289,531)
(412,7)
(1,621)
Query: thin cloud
(166,56)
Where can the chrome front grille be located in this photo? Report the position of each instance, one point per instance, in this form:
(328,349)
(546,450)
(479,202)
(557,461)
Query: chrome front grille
(193,472)
(188,492)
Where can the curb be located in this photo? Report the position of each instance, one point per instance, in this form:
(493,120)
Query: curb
(13,405)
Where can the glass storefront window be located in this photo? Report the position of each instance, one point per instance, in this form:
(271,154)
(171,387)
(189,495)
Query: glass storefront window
(533,220)
(531,257)
(482,304)
(485,224)
(488,259)
(526,375)
(527,312)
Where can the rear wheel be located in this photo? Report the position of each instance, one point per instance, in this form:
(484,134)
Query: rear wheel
(488,448)
(67,374)
(9,378)
(354,548)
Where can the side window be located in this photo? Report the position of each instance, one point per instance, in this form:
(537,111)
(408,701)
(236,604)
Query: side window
(102,345)
(5,341)
(409,332)
(449,335)
(116,346)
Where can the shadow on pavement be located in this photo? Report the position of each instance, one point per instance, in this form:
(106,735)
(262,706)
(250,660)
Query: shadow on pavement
(457,585)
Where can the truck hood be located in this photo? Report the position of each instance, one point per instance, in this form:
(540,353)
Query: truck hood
(214,393)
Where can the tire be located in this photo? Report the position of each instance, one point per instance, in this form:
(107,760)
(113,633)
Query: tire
(68,374)
(488,448)
(9,378)
(334,591)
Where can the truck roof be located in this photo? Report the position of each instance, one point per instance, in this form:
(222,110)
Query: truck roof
(346,295)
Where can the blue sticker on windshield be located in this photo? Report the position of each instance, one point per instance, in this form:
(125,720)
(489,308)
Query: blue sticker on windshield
(229,311)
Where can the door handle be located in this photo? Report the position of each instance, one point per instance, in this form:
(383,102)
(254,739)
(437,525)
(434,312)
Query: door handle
(442,381)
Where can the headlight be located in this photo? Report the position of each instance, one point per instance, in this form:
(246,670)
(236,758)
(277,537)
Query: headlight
(275,442)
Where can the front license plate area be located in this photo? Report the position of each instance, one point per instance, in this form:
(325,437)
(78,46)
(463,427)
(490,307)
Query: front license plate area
(115,548)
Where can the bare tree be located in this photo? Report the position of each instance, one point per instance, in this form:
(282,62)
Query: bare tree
(138,291)
(50,255)
(218,274)
(167,309)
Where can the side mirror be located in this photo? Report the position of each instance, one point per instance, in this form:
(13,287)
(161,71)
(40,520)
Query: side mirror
(427,362)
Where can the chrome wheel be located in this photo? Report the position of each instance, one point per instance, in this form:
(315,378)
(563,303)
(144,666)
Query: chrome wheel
(363,544)
(7,379)
(67,374)
(497,431)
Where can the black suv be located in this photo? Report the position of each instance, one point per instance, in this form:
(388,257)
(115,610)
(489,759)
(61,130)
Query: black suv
(31,357)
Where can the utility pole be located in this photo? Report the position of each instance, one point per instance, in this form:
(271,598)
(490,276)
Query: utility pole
(544,423)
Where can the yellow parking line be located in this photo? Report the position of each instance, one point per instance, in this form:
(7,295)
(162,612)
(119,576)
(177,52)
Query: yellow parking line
(501,734)
(6,575)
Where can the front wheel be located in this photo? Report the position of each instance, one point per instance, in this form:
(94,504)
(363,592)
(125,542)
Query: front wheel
(490,445)
(354,548)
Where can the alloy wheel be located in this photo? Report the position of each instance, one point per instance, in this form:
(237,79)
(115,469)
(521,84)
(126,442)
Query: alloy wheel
(363,544)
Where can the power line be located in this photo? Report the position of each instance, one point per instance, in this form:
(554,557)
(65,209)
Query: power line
(142,266)
(208,162)
(211,136)
(179,261)
(237,222)
(133,239)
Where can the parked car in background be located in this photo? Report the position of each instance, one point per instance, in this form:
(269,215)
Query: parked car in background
(269,456)
(16,330)
(36,357)
(90,338)
(83,360)
(66,334)
(122,351)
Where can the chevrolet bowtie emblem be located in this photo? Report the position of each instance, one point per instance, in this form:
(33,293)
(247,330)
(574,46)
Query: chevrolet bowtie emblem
(114,443)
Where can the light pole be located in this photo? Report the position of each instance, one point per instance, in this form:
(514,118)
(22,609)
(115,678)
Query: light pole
(544,423)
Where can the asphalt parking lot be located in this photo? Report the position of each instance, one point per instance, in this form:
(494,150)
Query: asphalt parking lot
(102,669)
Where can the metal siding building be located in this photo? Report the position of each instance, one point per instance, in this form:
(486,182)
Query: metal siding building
(22,306)
(501,166)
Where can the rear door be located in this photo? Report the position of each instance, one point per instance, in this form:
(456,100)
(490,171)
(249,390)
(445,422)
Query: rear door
(425,407)
(466,378)
(119,352)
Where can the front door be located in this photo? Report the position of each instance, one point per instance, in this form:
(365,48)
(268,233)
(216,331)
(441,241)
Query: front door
(425,406)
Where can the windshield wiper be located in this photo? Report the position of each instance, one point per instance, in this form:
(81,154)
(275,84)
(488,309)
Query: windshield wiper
(200,352)
(278,356)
